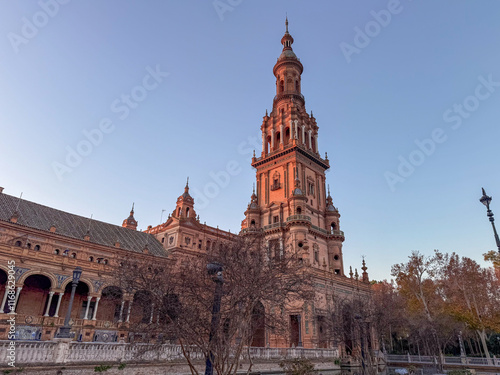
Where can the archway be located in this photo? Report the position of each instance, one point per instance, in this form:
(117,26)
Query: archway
(142,307)
(110,304)
(79,302)
(34,295)
(258,325)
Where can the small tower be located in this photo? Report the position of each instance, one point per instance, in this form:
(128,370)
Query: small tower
(185,205)
(252,215)
(130,222)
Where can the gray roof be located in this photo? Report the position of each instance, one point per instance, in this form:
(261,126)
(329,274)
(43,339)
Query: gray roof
(34,215)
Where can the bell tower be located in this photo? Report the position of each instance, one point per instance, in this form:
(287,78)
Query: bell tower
(291,206)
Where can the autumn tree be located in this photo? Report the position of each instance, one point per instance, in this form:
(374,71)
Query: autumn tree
(471,295)
(255,289)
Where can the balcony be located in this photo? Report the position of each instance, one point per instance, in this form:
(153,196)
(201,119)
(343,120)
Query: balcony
(298,218)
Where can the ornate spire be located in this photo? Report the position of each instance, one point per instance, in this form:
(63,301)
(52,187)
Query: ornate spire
(129,222)
(365,274)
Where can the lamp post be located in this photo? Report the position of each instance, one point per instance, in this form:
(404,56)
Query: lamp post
(64,331)
(486,201)
(215,270)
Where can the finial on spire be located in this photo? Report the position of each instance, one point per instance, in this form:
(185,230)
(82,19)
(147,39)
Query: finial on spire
(253,188)
(328,189)
(187,182)
(132,210)
(286,23)
(266,112)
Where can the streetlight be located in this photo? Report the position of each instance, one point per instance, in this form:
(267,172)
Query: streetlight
(486,201)
(64,331)
(214,269)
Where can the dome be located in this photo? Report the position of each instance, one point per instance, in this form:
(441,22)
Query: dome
(287,54)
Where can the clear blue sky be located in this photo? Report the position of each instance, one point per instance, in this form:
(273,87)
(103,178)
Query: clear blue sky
(64,71)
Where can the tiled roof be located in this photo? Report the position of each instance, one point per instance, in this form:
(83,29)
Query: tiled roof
(34,215)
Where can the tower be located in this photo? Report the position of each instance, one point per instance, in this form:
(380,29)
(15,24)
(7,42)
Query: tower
(291,206)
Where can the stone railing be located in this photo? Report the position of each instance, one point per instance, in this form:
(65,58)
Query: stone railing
(425,359)
(63,352)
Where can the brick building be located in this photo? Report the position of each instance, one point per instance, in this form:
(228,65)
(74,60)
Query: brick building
(292,207)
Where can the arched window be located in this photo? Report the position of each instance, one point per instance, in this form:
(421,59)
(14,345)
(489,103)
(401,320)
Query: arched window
(297,86)
(278,137)
(187,211)
(18,243)
(282,86)
(268,144)
(208,244)
(105,261)
(73,255)
(299,211)
(287,135)
(333,227)
(91,259)
(57,251)
(28,245)
(37,248)
(252,223)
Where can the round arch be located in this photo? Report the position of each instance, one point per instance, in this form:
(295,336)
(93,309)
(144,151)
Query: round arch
(83,280)
(50,276)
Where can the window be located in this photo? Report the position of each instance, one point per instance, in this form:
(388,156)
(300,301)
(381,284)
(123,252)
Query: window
(18,243)
(37,248)
(105,261)
(163,240)
(310,188)
(28,245)
(336,257)
(199,244)
(208,245)
(276,219)
(57,251)
(298,211)
(91,259)
(252,223)
(333,227)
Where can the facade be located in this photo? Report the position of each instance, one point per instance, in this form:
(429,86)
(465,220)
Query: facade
(291,206)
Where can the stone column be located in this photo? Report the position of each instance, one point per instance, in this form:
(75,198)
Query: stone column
(296,129)
(61,294)
(272,139)
(4,300)
(303,134)
(316,143)
(89,298)
(51,294)
(19,288)
(128,311)
(310,139)
(281,134)
(152,312)
(120,318)
(95,308)
(264,148)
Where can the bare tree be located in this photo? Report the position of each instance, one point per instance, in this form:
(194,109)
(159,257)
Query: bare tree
(220,314)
